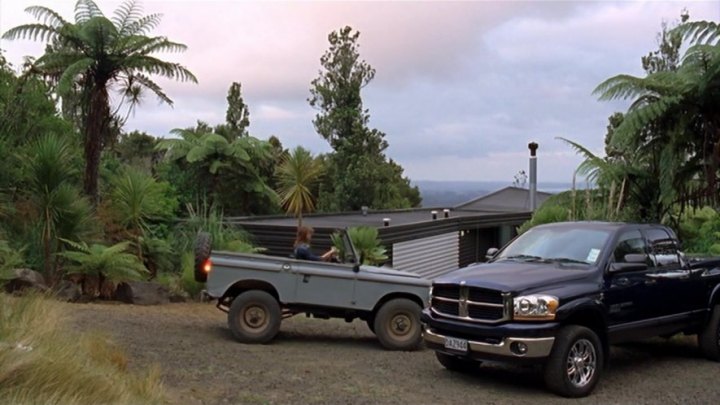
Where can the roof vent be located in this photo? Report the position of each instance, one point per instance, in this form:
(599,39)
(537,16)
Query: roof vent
(386,221)
(434,214)
(364,210)
(446,213)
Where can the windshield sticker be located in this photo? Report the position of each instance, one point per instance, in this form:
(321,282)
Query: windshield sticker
(593,255)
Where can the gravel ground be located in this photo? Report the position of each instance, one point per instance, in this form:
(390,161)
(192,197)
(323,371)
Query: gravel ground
(333,362)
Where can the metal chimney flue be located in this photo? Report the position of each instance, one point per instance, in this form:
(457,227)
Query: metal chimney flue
(446,213)
(386,221)
(533,175)
(434,214)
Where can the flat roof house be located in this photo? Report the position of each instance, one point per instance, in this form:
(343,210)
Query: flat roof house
(426,241)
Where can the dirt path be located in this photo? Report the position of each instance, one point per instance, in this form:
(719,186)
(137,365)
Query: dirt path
(333,362)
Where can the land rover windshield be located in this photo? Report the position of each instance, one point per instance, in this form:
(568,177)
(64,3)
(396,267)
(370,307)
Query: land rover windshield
(581,246)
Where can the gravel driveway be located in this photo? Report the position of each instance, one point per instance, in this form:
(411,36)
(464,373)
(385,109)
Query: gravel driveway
(333,362)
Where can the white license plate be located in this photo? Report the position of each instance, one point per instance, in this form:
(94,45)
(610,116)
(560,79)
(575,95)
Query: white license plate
(456,344)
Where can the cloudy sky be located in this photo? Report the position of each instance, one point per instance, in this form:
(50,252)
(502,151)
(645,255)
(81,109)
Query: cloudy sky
(460,89)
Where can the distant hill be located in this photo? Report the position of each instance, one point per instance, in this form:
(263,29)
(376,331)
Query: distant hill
(440,194)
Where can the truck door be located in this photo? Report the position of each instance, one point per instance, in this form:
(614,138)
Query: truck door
(629,294)
(680,289)
(324,284)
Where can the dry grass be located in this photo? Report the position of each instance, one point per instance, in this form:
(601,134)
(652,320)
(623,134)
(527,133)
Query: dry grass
(41,362)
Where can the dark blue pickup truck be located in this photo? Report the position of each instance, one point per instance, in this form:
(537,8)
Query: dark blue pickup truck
(560,294)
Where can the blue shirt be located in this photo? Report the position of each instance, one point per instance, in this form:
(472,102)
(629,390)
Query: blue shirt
(303,252)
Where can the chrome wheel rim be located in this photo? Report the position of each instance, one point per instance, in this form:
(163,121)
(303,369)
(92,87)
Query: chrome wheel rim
(581,363)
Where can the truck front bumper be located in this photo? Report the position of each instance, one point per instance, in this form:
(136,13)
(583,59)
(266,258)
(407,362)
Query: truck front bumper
(508,347)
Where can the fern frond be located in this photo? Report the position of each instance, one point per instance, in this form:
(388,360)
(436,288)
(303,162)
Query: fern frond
(34,32)
(86,10)
(699,32)
(69,76)
(125,14)
(47,16)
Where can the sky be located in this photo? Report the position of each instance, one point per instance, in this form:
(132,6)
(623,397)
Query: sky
(460,87)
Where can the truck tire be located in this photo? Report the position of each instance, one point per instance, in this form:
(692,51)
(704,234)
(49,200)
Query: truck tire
(254,317)
(709,338)
(397,325)
(575,363)
(203,249)
(455,363)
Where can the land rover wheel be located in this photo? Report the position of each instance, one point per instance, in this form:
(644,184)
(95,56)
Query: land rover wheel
(709,338)
(455,363)
(203,248)
(254,317)
(397,325)
(575,363)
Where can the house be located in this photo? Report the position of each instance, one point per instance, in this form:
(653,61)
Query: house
(426,241)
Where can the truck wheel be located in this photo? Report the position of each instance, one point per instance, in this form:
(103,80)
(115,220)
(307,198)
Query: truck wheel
(254,317)
(454,363)
(203,248)
(709,338)
(397,324)
(574,366)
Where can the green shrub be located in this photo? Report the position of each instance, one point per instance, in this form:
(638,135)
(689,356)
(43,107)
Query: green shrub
(699,230)
(187,278)
(112,262)
(366,242)
(9,259)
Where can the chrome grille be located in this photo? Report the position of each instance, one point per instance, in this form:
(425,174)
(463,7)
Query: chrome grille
(470,303)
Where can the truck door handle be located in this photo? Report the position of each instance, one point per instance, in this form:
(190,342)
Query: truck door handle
(306,278)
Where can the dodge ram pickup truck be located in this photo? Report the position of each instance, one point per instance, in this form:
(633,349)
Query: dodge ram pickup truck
(258,291)
(560,294)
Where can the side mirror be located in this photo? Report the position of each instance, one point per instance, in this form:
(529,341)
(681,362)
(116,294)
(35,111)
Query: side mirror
(491,253)
(633,262)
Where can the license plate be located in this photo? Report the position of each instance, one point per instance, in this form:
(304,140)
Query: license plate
(456,344)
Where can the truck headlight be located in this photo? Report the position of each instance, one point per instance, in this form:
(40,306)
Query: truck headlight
(535,307)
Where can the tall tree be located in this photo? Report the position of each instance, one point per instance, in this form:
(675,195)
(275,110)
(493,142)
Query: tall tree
(98,54)
(361,175)
(237,117)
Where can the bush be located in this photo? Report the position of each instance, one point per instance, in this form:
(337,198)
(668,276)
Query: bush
(187,279)
(366,242)
(41,363)
(699,230)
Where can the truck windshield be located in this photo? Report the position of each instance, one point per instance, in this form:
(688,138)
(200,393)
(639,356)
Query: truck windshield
(562,245)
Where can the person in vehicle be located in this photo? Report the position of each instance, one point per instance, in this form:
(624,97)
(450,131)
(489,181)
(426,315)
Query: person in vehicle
(302,246)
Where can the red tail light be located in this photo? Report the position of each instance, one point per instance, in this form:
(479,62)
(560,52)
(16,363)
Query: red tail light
(207,266)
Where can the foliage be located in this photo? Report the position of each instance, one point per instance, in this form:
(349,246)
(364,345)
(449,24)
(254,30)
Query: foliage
(360,173)
(42,362)
(297,175)
(96,54)
(138,199)
(669,136)
(9,259)
(157,255)
(55,203)
(110,262)
(237,117)
(221,166)
(137,149)
(207,218)
(700,231)
(187,277)
(366,242)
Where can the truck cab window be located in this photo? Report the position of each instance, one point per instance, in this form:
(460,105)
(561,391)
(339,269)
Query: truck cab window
(629,242)
(663,248)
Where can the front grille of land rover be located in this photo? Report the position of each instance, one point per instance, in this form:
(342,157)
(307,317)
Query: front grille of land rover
(470,303)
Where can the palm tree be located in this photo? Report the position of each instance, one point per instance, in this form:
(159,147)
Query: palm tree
(297,174)
(96,54)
